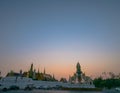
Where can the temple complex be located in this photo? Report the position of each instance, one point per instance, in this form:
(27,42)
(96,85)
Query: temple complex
(78,77)
(45,81)
(43,76)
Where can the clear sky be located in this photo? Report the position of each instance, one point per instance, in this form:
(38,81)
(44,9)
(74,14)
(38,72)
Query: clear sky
(56,34)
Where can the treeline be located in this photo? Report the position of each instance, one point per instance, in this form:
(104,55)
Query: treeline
(107,82)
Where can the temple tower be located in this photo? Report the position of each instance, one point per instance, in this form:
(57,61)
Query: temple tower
(31,71)
(34,74)
(78,73)
(44,71)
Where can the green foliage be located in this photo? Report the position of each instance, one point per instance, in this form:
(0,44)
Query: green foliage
(107,83)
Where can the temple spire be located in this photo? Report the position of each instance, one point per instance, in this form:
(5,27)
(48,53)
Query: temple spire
(31,71)
(78,72)
(44,71)
(34,74)
(38,71)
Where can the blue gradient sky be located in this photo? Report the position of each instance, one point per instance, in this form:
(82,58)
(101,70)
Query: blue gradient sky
(55,34)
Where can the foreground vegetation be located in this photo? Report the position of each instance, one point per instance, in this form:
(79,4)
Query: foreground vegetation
(112,81)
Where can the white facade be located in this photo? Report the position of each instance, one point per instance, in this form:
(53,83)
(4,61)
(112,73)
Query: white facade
(22,82)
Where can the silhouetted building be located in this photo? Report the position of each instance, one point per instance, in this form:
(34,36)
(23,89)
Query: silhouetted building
(64,80)
(33,75)
(12,73)
(40,76)
(80,77)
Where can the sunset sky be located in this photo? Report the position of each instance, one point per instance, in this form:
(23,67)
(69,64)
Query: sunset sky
(56,34)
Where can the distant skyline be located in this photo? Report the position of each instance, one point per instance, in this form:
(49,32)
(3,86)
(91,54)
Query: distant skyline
(56,34)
